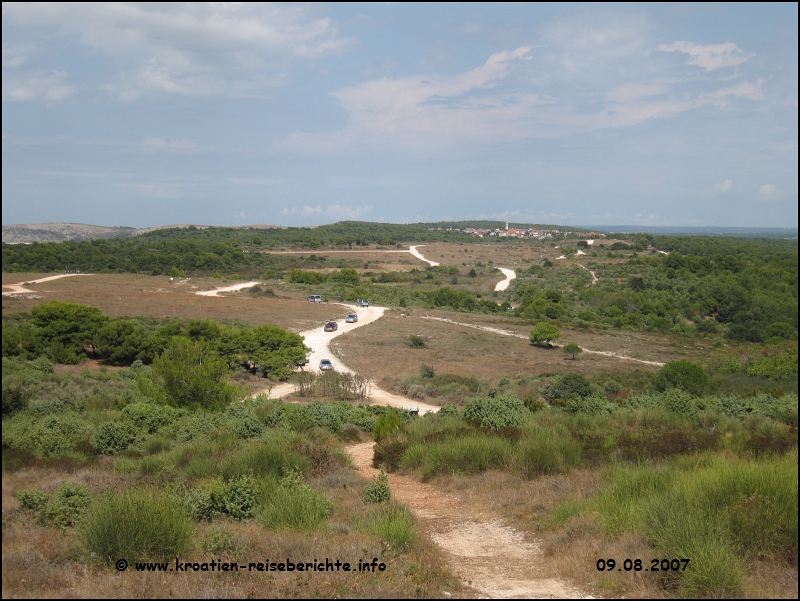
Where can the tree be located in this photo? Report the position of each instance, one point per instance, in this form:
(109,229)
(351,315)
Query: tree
(572,349)
(187,374)
(544,333)
(66,328)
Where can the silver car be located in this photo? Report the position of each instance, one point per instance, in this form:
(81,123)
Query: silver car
(351,318)
(325,365)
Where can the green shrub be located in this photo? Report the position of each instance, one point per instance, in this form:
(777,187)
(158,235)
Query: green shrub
(377,491)
(68,503)
(33,499)
(415,341)
(426,371)
(114,437)
(236,499)
(45,435)
(502,411)
(138,524)
(684,375)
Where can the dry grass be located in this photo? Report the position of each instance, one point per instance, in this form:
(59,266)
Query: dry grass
(379,350)
(128,295)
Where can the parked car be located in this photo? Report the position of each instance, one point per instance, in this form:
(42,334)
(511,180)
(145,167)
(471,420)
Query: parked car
(351,318)
(331,326)
(325,365)
(362,302)
(315,298)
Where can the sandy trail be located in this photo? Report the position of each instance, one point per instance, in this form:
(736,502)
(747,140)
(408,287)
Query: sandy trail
(594,277)
(318,340)
(413,250)
(510,275)
(20,288)
(495,560)
(515,335)
(233,288)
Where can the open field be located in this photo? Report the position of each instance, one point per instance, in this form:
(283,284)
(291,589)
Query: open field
(125,295)
(380,349)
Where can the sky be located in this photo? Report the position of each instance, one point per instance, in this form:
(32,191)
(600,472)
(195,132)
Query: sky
(233,114)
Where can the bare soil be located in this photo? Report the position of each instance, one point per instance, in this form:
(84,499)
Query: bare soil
(496,561)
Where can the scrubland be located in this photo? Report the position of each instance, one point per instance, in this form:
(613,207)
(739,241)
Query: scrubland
(683,446)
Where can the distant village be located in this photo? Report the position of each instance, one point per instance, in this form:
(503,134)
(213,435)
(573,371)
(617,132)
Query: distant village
(512,232)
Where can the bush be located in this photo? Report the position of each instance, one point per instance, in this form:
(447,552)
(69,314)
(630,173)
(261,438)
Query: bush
(236,499)
(114,437)
(682,374)
(68,504)
(33,499)
(566,387)
(506,410)
(426,371)
(378,491)
(415,341)
(138,524)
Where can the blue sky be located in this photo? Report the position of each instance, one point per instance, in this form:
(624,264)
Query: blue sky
(228,114)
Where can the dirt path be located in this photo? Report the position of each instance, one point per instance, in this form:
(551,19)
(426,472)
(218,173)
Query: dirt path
(20,288)
(413,250)
(491,558)
(510,275)
(515,335)
(594,277)
(233,288)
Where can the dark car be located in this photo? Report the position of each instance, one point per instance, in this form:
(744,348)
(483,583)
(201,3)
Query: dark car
(331,326)
(325,365)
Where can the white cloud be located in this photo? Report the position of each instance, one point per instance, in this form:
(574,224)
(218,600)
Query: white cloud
(158,190)
(180,146)
(710,56)
(49,86)
(233,49)
(725,186)
(255,181)
(332,211)
(768,192)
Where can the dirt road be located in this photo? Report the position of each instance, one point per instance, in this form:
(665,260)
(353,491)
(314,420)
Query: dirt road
(491,558)
(318,340)
(233,288)
(510,275)
(20,288)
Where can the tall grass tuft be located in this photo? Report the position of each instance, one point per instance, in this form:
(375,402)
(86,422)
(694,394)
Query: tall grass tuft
(394,525)
(547,451)
(469,455)
(295,506)
(138,524)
